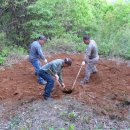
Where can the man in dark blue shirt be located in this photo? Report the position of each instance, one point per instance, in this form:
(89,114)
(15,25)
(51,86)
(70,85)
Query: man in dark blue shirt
(35,54)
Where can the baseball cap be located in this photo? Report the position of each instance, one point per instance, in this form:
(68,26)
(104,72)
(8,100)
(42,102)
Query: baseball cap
(68,61)
(42,37)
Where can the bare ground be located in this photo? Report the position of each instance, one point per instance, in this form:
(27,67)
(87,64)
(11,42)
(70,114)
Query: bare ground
(99,104)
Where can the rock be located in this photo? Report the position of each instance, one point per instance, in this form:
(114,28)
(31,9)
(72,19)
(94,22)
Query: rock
(127,99)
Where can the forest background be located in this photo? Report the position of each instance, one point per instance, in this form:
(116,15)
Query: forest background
(65,22)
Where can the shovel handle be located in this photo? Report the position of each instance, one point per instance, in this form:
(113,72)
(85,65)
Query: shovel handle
(58,83)
(76,77)
(56,80)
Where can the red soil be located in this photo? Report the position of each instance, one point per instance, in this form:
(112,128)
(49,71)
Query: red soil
(105,92)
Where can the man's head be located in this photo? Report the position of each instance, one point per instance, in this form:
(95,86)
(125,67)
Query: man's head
(42,39)
(86,39)
(67,62)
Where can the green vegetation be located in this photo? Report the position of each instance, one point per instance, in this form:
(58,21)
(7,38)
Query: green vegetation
(64,22)
(14,51)
(14,122)
(9,50)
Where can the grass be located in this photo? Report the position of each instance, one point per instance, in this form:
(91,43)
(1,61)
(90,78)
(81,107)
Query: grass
(7,48)
(116,45)
(14,122)
(66,43)
(10,51)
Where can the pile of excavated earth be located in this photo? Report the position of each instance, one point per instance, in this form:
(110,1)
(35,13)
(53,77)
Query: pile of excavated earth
(108,90)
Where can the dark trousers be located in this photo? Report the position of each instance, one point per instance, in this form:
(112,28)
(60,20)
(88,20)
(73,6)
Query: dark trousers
(50,82)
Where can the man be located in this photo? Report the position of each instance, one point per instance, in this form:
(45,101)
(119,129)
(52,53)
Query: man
(91,58)
(35,54)
(53,68)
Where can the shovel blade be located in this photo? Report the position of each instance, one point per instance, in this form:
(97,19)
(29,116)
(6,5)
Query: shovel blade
(67,91)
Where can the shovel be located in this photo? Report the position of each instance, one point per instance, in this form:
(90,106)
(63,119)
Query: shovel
(58,81)
(73,86)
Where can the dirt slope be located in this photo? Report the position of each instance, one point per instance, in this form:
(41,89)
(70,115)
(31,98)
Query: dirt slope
(105,92)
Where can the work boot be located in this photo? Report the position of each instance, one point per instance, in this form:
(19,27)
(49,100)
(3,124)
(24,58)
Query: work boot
(47,98)
(35,74)
(83,82)
(43,83)
(52,89)
(95,72)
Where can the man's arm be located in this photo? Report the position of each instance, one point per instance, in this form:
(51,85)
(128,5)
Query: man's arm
(60,77)
(57,73)
(40,53)
(87,53)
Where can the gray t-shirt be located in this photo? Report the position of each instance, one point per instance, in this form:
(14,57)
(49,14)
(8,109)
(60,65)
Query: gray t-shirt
(92,50)
(35,51)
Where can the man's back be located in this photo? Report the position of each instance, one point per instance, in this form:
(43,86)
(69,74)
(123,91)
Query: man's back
(54,66)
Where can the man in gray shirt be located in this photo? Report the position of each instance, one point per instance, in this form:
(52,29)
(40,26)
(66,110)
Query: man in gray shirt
(91,58)
(35,54)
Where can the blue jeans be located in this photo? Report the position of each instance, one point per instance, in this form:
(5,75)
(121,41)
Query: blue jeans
(37,65)
(50,82)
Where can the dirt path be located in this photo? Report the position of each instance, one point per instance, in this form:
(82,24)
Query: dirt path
(105,92)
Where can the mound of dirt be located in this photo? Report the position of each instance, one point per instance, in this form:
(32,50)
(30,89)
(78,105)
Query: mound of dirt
(106,91)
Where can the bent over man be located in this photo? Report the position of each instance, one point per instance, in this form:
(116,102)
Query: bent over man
(91,58)
(53,69)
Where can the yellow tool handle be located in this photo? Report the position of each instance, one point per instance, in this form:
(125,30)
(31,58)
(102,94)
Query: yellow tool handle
(56,80)
(76,77)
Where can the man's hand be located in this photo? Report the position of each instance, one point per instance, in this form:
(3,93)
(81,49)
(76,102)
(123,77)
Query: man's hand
(57,77)
(63,85)
(45,61)
(83,63)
